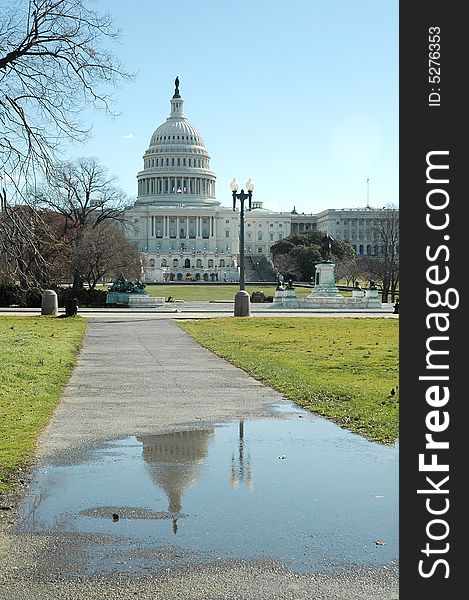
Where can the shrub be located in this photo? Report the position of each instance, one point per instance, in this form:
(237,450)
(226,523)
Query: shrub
(85,296)
(11,294)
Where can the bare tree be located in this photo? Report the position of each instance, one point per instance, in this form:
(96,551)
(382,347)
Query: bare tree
(384,266)
(83,192)
(105,251)
(53,63)
(33,253)
(86,196)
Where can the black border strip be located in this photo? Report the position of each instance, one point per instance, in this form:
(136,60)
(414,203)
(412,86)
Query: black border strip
(432,242)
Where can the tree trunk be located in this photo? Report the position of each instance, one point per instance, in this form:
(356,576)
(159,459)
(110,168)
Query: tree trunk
(77,281)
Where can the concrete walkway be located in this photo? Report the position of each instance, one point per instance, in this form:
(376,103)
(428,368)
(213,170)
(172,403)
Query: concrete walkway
(206,310)
(139,376)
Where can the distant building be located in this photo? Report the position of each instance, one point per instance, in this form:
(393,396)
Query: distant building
(184,232)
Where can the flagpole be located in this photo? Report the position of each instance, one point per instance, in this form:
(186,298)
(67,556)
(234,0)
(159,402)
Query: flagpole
(368,192)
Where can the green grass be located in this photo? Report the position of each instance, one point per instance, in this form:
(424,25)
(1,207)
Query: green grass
(37,355)
(341,368)
(200,292)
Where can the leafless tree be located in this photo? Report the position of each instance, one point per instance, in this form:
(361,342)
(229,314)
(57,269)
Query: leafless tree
(384,267)
(104,251)
(83,192)
(53,63)
(350,268)
(33,253)
(87,197)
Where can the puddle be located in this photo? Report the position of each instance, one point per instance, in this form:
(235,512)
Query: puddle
(298,490)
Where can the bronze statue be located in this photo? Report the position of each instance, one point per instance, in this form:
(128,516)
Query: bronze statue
(280,281)
(176,91)
(122,284)
(326,246)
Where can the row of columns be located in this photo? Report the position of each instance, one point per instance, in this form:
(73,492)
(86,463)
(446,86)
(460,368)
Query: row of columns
(150,186)
(202,230)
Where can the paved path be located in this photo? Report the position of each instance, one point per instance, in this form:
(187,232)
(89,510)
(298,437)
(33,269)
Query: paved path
(145,375)
(205,310)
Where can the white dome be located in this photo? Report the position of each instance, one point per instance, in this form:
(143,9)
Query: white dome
(176,165)
(177,131)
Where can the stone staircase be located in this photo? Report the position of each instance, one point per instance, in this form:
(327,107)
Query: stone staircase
(259,269)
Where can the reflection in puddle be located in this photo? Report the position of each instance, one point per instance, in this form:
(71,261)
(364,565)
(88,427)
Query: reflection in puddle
(301,491)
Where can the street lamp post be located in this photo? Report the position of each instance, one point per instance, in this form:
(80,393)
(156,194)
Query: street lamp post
(242,303)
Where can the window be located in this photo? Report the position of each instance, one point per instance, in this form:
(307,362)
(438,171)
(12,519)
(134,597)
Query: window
(175,263)
(227,221)
(227,233)
(222,263)
(259,236)
(210,263)
(259,249)
(152,263)
(187,263)
(198,263)
(271,236)
(164,262)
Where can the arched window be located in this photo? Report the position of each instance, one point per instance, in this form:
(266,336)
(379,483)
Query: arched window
(179,276)
(198,263)
(175,263)
(368,249)
(164,262)
(361,249)
(187,263)
(222,262)
(152,263)
(210,263)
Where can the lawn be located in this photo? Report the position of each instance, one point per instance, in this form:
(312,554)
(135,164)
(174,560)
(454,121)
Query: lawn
(37,355)
(342,368)
(200,292)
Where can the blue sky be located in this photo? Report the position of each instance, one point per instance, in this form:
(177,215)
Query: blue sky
(302,96)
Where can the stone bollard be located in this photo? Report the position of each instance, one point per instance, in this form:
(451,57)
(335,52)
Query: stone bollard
(49,303)
(242,307)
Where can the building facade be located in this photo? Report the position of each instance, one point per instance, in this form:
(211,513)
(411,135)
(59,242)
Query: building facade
(184,233)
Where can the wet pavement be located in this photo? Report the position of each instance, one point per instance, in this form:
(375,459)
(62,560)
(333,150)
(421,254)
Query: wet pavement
(167,472)
(298,490)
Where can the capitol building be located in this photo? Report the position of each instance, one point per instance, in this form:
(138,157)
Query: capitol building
(184,233)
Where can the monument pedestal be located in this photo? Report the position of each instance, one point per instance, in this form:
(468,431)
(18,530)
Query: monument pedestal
(325,293)
(289,299)
(372,297)
(278,297)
